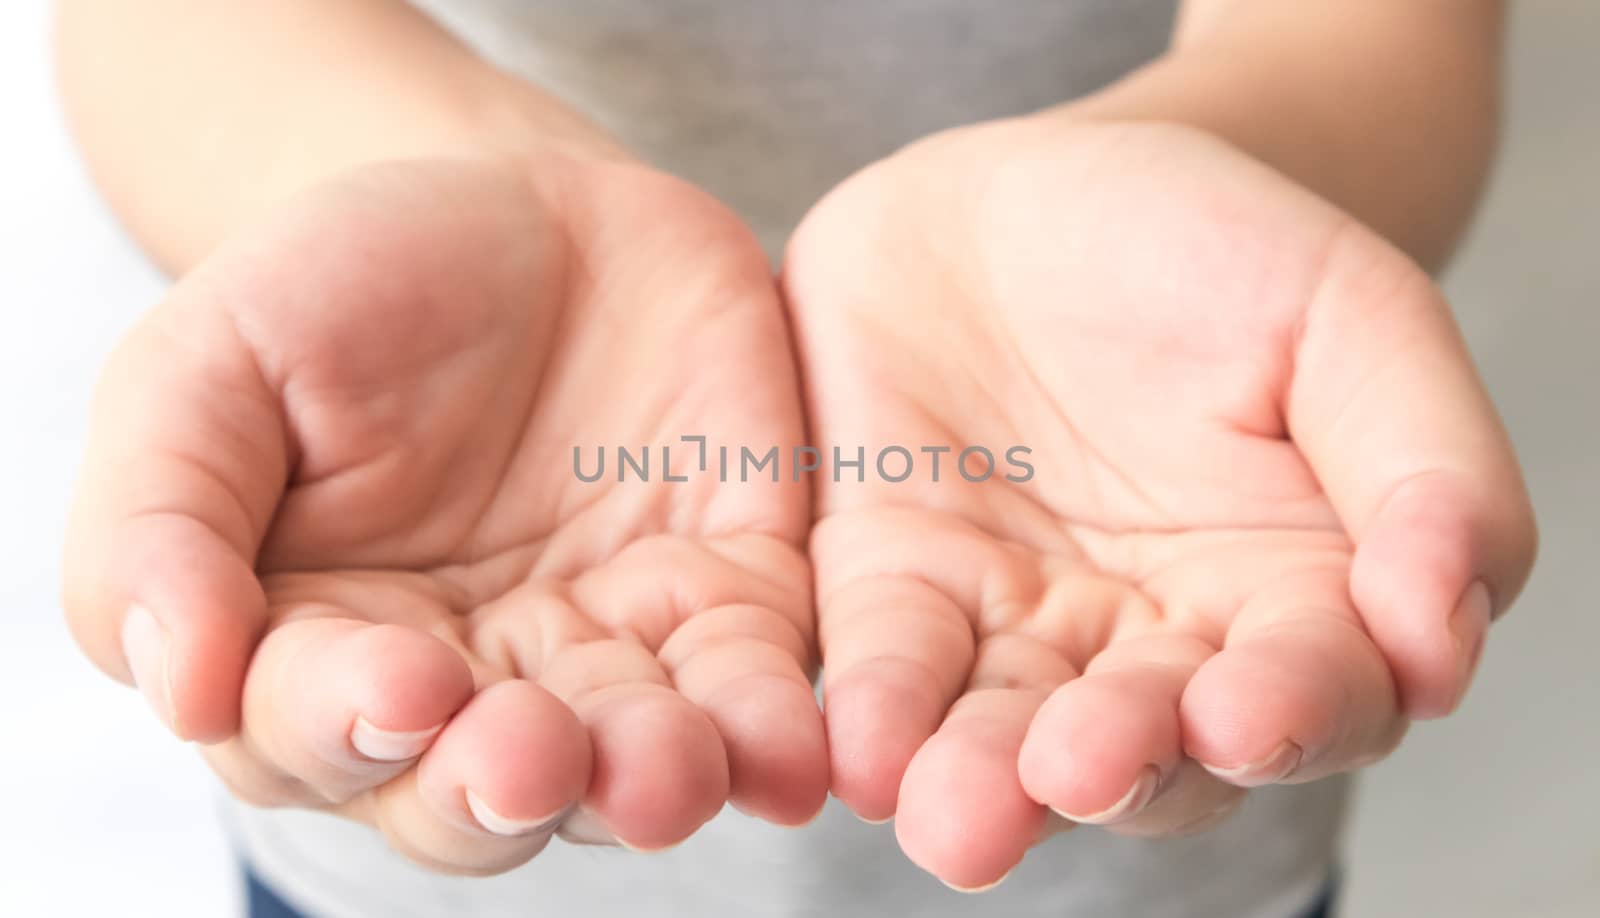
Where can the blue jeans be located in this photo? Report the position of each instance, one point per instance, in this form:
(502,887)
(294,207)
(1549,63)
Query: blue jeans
(262,902)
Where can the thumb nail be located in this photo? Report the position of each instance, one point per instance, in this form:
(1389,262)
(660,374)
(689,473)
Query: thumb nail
(1469,625)
(144,644)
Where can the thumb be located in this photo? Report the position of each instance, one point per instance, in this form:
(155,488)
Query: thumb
(186,461)
(1390,413)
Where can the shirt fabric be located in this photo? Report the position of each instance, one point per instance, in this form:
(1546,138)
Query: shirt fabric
(768,104)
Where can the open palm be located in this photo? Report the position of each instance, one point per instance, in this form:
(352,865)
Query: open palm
(333,476)
(1265,483)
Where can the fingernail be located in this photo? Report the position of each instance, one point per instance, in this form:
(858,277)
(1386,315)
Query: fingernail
(1469,624)
(1137,798)
(390,745)
(583,827)
(144,644)
(974,890)
(506,826)
(1270,770)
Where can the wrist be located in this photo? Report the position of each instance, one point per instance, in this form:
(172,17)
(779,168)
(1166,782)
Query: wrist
(507,117)
(1411,169)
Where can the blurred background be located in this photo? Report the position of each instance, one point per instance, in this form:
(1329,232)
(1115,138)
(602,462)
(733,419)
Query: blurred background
(1493,813)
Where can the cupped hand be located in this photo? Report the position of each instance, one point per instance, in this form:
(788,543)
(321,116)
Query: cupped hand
(331,523)
(1270,514)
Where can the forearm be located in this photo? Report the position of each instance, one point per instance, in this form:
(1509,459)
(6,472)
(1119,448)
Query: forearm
(1388,109)
(195,115)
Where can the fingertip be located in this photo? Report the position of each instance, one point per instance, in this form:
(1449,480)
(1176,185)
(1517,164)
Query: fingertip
(876,721)
(339,706)
(660,768)
(1410,581)
(201,680)
(178,614)
(510,763)
(402,683)
(1096,749)
(1240,710)
(777,751)
(1439,562)
(963,815)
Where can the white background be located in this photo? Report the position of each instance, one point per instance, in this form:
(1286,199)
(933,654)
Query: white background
(1493,813)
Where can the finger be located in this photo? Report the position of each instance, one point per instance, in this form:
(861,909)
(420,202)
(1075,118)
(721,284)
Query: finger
(896,653)
(334,706)
(1104,745)
(660,771)
(1394,421)
(491,791)
(185,462)
(1298,692)
(963,814)
(745,666)
(731,620)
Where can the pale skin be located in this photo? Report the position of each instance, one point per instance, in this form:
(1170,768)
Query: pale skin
(328,504)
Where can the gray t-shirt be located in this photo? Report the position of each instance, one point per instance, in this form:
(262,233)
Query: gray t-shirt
(768,104)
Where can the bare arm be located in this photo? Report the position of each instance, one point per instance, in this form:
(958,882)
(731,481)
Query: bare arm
(194,116)
(1389,110)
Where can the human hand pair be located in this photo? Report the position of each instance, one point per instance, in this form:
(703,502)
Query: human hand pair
(1254,427)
